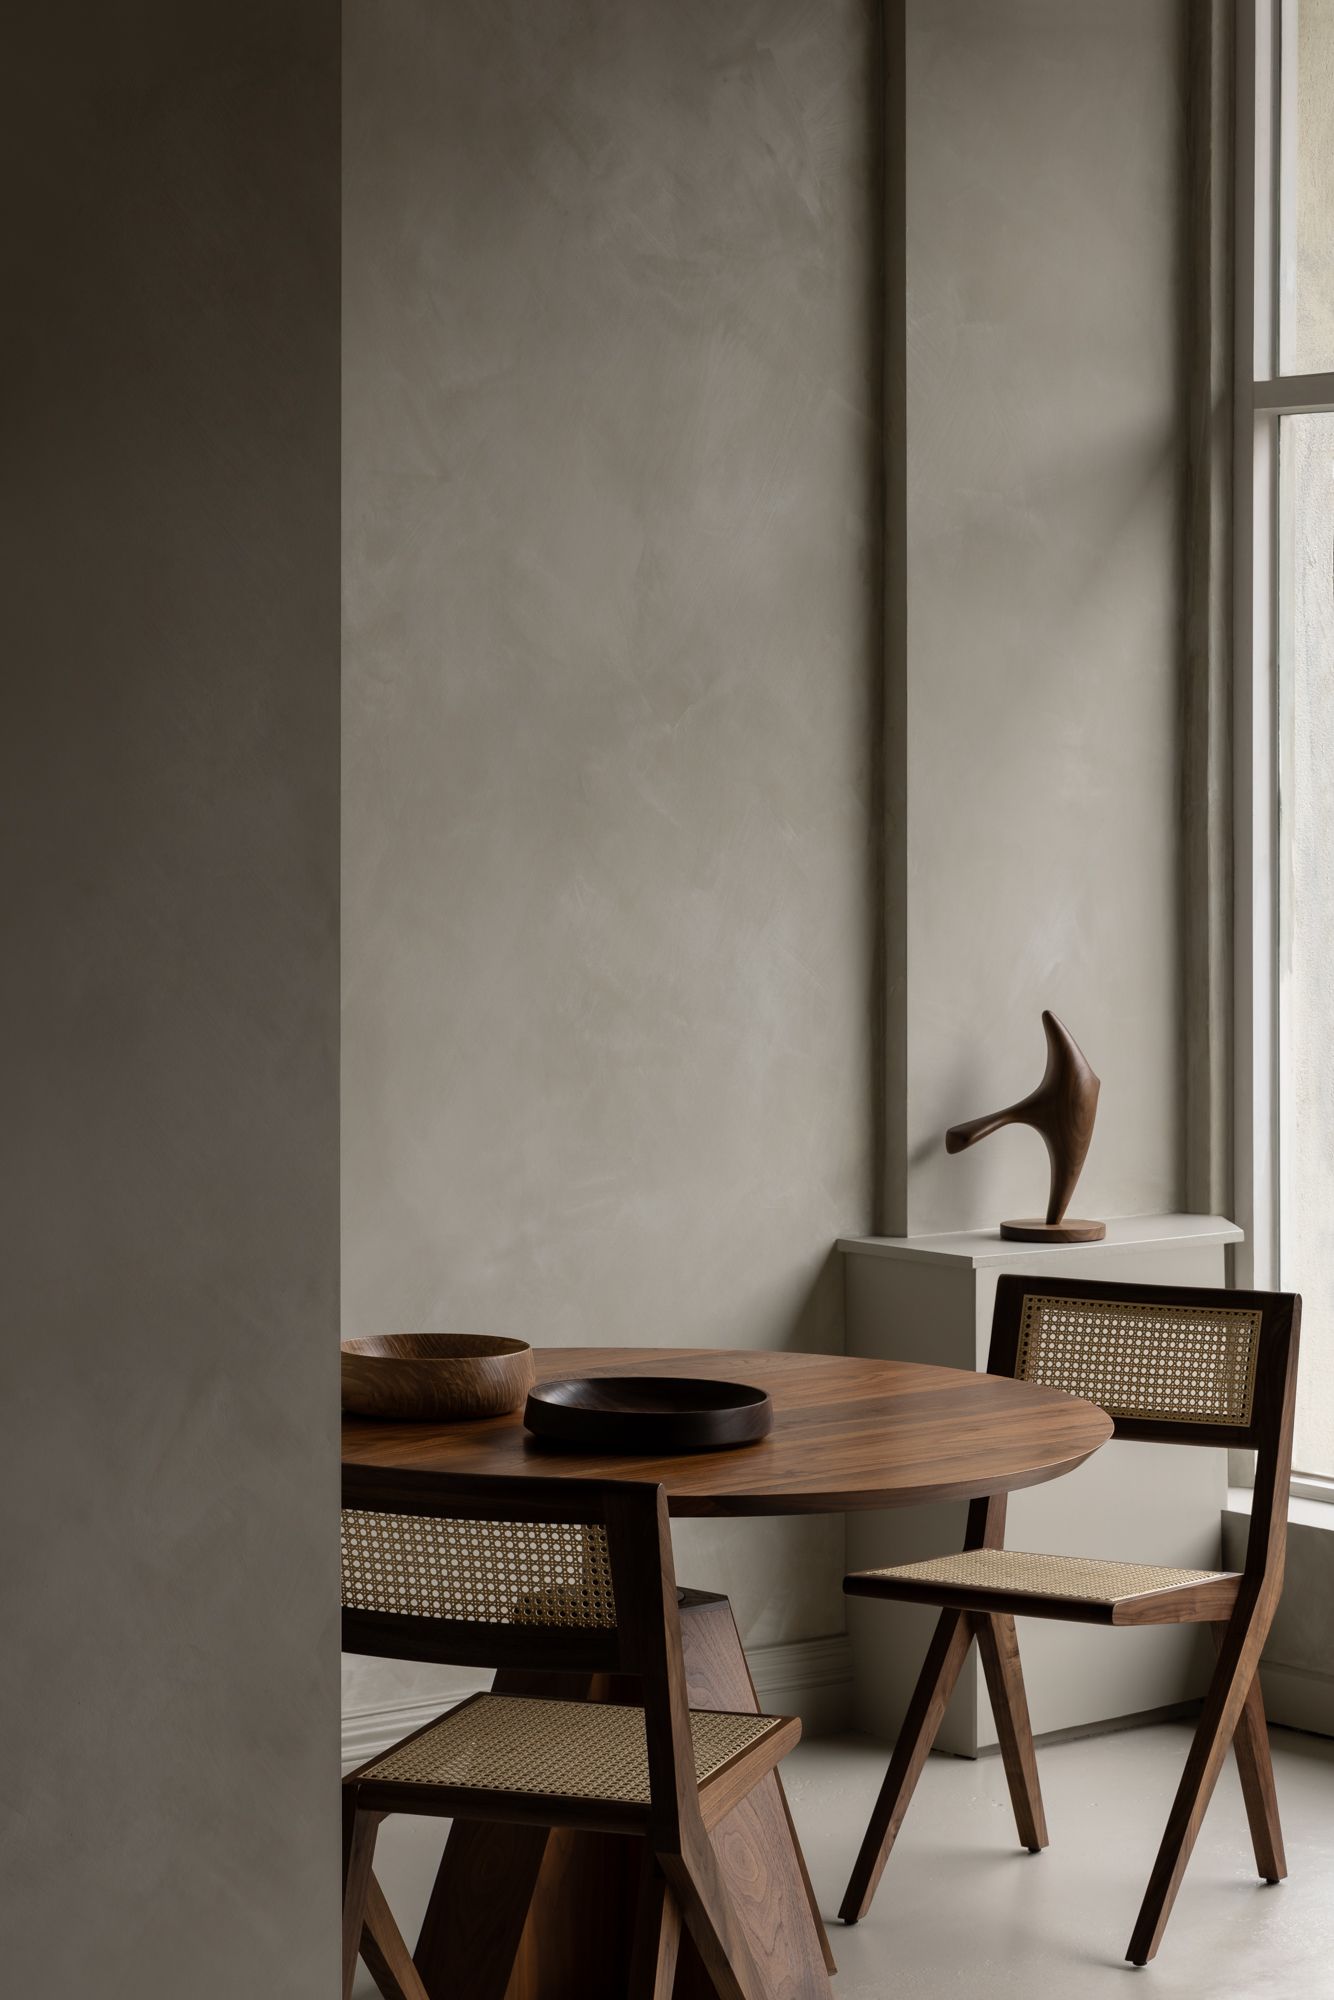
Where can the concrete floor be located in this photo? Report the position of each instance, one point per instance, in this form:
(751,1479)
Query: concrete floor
(961,1911)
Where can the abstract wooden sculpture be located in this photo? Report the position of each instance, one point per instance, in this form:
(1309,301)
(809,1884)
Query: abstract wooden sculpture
(1062,1109)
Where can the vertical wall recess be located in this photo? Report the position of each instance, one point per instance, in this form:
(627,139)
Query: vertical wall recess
(1206,804)
(893,1219)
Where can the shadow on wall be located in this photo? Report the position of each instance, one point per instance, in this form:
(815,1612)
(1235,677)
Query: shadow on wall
(817,1324)
(966,1085)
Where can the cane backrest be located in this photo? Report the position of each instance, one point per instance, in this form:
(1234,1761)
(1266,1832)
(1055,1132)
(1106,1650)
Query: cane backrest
(492,1571)
(479,1572)
(1158,1359)
(1175,1364)
(1144,1359)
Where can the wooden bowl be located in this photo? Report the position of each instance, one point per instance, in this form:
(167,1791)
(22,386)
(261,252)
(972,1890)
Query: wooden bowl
(649,1415)
(435,1377)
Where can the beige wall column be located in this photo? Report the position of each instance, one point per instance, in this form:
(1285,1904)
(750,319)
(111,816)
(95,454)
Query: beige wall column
(169,1001)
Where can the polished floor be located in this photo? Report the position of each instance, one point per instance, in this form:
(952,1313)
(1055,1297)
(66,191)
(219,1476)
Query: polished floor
(961,1912)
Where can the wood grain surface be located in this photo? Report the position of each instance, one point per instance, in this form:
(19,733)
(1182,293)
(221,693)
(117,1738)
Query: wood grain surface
(435,1377)
(848,1433)
(1062,1109)
(570,1897)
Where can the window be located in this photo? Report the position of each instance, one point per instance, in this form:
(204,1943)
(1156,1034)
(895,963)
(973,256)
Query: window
(1306,912)
(1284,549)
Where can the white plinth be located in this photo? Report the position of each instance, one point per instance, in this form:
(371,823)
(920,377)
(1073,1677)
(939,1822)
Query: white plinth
(930,1298)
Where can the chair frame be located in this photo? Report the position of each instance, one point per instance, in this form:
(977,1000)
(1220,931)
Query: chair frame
(681,1880)
(1239,1610)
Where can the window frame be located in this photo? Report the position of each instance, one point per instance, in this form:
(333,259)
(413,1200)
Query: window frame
(1262,395)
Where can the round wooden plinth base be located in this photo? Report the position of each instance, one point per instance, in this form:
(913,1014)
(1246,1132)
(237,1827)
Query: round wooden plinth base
(1032,1229)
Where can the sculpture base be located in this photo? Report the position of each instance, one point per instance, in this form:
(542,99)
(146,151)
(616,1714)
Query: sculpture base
(1074,1229)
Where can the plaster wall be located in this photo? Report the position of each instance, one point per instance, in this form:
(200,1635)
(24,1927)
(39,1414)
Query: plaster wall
(611,552)
(1297,1665)
(1035,777)
(168,1011)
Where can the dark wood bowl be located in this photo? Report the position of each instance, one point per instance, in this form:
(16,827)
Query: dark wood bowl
(653,1416)
(436,1377)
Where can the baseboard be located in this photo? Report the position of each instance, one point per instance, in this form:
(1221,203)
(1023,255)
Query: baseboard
(810,1678)
(1295,1698)
(1109,1725)
(1298,1697)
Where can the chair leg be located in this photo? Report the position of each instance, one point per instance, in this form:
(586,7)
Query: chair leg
(817,1917)
(704,1903)
(1251,1744)
(385,1951)
(470,1941)
(359,1829)
(998,1644)
(657,1936)
(935,1685)
(1228,1692)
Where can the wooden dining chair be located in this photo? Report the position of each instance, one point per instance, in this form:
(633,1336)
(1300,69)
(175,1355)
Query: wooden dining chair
(557,1576)
(1170,1364)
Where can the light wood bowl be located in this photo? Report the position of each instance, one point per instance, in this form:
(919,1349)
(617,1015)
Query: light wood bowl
(436,1377)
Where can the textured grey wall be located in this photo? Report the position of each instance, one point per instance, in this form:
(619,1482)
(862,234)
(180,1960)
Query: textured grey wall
(168,796)
(610,558)
(1041,758)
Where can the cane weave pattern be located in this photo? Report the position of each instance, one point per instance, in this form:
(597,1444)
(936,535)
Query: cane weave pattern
(487,1572)
(569,1749)
(1081,1579)
(1158,1363)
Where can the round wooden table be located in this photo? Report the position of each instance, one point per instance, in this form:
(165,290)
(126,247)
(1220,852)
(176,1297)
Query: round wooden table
(848,1434)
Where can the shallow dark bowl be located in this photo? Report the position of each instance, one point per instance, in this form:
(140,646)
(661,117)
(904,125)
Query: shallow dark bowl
(648,1415)
(435,1377)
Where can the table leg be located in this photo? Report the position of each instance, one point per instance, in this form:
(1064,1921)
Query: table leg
(573,1899)
(473,1928)
(756,1844)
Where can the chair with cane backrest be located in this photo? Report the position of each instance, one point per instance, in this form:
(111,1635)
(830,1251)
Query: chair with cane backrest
(1174,1365)
(569,1577)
